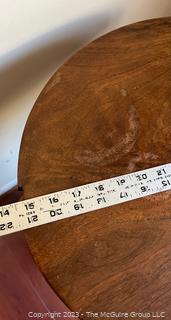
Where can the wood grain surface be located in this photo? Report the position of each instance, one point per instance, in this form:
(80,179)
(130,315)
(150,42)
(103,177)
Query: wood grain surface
(106,112)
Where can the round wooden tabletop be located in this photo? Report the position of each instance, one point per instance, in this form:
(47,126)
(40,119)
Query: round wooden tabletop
(106,112)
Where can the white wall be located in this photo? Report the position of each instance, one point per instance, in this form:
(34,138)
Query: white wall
(38,36)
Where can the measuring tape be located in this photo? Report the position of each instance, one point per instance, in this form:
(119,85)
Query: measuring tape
(86,198)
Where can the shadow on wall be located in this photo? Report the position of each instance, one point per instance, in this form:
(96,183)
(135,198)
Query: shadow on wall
(30,63)
(24,66)
(24,72)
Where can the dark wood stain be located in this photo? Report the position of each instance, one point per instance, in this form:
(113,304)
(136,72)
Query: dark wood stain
(106,112)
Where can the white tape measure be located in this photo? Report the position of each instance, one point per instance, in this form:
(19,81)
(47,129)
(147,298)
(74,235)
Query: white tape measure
(71,202)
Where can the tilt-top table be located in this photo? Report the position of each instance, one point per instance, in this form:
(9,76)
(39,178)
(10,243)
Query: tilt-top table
(105,112)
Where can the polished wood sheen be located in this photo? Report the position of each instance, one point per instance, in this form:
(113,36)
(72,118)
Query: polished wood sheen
(106,112)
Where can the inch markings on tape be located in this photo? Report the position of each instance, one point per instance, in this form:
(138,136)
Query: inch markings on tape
(82,199)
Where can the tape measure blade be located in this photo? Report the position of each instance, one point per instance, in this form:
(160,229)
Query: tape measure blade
(83,199)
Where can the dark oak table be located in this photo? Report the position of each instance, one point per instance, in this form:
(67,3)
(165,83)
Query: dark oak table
(105,112)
